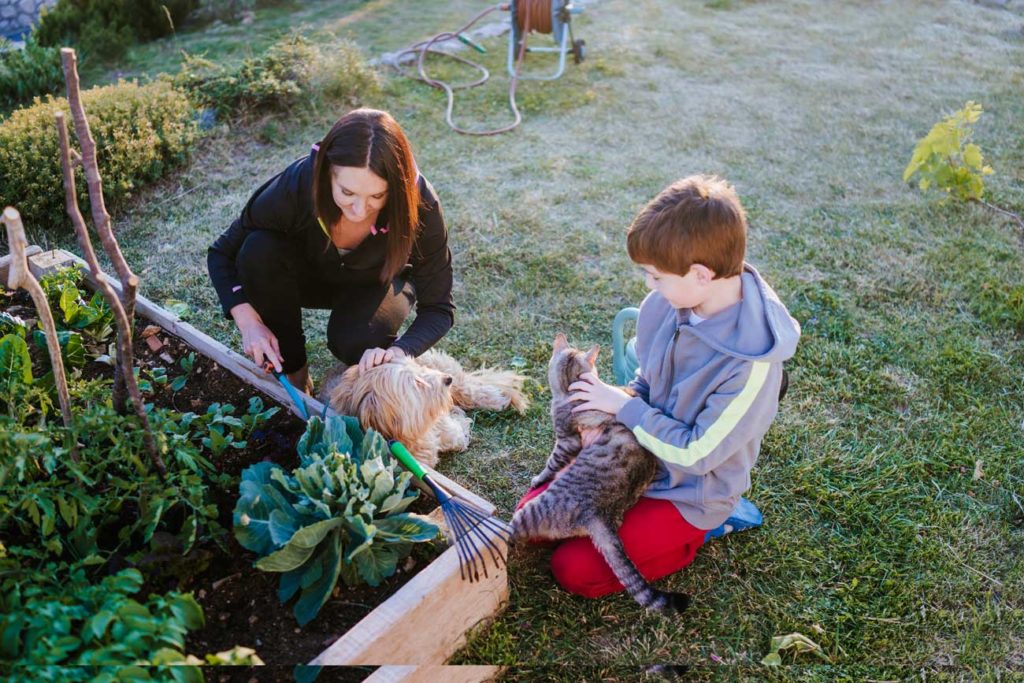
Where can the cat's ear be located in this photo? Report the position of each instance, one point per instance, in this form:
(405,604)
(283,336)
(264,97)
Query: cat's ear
(592,355)
(561,343)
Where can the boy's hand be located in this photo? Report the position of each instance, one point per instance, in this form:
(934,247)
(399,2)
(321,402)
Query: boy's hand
(596,395)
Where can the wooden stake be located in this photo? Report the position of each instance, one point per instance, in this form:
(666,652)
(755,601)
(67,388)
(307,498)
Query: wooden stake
(124,323)
(20,277)
(100,217)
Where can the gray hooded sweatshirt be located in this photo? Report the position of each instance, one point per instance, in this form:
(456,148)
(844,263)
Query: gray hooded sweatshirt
(707,394)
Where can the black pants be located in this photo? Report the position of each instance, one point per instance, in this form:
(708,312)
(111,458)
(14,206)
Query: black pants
(278,283)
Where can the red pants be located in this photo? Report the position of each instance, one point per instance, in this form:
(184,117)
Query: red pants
(654,534)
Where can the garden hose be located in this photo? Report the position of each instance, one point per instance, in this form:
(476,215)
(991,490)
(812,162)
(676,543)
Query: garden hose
(527,16)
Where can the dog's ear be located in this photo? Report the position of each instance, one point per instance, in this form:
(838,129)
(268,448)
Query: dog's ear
(368,411)
(591,356)
(560,342)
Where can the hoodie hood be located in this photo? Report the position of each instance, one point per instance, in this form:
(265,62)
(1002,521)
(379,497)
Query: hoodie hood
(757,328)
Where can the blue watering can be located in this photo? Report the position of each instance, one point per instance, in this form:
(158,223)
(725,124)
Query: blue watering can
(624,360)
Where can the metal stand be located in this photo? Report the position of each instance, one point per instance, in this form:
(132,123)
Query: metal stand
(561,32)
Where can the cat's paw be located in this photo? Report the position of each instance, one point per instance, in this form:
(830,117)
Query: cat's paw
(540,480)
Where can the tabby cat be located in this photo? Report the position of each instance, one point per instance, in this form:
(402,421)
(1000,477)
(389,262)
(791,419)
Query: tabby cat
(597,471)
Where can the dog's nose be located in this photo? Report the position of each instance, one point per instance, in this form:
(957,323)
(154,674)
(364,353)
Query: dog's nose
(447,380)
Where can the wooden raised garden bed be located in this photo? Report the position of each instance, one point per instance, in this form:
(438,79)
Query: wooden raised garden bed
(412,633)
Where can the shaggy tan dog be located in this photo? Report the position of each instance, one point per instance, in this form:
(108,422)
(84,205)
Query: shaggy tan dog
(420,401)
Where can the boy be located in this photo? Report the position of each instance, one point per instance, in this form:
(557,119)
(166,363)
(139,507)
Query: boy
(711,338)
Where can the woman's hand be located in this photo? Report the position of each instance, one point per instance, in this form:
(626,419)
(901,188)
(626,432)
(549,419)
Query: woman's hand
(257,339)
(374,357)
(596,395)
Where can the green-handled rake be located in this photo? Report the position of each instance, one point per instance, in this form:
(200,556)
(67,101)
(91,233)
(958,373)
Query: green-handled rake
(471,529)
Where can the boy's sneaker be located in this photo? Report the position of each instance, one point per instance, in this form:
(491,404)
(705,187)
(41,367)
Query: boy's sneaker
(745,516)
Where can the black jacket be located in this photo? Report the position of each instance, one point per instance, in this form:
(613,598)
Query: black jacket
(285,204)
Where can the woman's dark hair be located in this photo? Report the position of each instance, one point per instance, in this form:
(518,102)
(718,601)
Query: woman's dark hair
(372,139)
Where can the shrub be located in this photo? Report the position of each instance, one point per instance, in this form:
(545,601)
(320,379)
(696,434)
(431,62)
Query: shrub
(28,73)
(105,28)
(291,70)
(140,131)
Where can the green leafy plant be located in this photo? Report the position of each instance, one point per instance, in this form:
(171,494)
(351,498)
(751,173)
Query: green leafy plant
(224,430)
(341,513)
(65,620)
(90,316)
(110,501)
(186,363)
(17,381)
(945,159)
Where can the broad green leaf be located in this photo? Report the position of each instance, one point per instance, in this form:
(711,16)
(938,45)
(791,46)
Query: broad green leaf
(378,565)
(355,433)
(314,597)
(310,536)
(289,584)
(311,438)
(374,446)
(188,611)
(69,303)
(178,308)
(972,156)
(97,626)
(282,527)
(15,364)
(299,548)
(396,502)
(407,527)
(189,533)
(68,511)
(336,435)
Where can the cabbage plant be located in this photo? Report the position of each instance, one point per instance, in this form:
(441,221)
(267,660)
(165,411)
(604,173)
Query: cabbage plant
(341,513)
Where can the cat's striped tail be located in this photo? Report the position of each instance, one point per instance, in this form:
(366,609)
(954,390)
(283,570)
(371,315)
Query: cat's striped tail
(607,541)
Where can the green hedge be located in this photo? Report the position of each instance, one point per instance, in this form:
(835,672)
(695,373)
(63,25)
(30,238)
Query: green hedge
(28,73)
(140,132)
(105,28)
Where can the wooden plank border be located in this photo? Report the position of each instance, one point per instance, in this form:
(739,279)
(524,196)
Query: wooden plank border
(434,674)
(426,621)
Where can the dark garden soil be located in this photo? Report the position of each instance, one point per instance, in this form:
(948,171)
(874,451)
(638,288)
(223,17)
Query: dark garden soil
(240,602)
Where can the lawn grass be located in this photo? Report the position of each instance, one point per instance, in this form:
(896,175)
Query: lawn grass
(881,542)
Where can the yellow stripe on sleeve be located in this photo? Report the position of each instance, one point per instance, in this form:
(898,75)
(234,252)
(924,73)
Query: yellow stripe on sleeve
(717,432)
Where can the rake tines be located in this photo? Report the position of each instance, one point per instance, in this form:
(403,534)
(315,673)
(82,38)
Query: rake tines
(471,530)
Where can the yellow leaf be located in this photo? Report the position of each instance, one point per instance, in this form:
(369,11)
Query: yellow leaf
(972,156)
